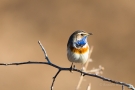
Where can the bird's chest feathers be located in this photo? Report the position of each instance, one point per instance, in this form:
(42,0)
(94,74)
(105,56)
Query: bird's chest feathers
(82,50)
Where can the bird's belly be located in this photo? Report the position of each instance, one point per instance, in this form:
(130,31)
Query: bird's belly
(78,57)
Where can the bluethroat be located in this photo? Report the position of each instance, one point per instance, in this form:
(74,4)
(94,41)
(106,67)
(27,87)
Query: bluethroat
(78,48)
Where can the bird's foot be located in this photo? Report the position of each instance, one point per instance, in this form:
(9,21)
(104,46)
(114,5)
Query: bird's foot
(72,67)
(83,70)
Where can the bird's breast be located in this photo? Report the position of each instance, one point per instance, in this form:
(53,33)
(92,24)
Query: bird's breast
(79,50)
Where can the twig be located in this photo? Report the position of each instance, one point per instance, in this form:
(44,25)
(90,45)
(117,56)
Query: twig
(80,81)
(96,70)
(122,87)
(55,78)
(43,49)
(89,86)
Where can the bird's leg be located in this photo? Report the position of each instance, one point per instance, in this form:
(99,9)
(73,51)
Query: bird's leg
(83,69)
(72,67)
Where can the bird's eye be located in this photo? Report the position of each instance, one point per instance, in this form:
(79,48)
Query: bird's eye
(81,34)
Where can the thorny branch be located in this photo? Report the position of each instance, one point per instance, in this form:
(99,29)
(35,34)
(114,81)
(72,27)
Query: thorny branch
(68,69)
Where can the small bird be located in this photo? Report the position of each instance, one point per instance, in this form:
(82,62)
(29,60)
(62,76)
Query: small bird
(78,48)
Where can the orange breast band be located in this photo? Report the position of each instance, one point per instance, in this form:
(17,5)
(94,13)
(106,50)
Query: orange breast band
(79,51)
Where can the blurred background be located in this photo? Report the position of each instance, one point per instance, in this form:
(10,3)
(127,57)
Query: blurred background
(24,22)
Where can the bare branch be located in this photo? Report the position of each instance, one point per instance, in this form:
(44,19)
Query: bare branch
(55,78)
(68,69)
(80,81)
(96,70)
(45,54)
(74,69)
(122,87)
(89,86)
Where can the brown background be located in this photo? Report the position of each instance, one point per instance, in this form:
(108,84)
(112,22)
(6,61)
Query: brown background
(24,22)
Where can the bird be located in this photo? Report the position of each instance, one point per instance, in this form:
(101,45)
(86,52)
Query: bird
(78,48)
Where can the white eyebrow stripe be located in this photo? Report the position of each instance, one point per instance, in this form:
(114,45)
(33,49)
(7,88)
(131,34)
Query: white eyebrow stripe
(82,33)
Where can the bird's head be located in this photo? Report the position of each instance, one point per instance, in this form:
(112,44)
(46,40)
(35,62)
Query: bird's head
(80,34)
(79,38)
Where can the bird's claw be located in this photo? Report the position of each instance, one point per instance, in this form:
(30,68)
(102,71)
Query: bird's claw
(72,67)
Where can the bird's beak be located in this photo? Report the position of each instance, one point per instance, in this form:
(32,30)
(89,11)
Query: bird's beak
(90,34)
(87,34)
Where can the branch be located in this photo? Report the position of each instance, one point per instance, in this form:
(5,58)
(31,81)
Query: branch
(55,78)
(68,69)
(96,70)
(89,86)
(43,49)
(74,69)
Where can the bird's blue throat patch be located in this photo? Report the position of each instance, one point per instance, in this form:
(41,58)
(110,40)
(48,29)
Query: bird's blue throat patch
(81,42)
